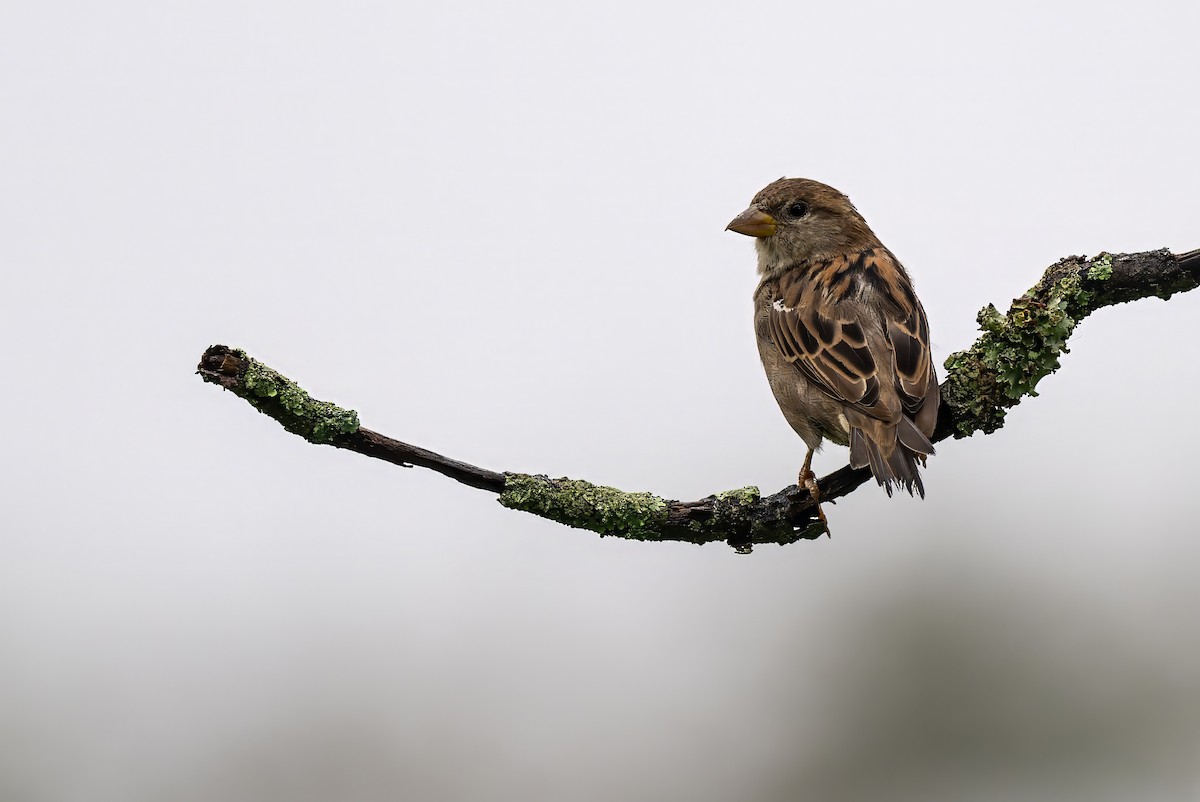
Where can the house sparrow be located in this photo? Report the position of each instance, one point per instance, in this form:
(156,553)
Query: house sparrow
(842,336)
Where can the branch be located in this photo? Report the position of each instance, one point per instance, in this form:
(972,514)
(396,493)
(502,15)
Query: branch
(1015,351)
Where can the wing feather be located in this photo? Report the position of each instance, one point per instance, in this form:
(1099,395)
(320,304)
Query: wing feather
(820,324)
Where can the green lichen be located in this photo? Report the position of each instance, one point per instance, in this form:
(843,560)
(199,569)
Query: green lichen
(740,498)
(731,511)
(732,508)
(1101,268)
(583,505)
(740,517)
(1017,350)
(274,393)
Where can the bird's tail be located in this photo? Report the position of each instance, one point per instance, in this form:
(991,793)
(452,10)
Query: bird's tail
(899,467)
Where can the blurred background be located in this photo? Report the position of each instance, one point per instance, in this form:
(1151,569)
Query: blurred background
(496,230)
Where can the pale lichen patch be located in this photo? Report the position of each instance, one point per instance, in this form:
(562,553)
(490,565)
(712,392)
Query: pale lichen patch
(574,502)
(1019,349)
(315,421)
(1101,268)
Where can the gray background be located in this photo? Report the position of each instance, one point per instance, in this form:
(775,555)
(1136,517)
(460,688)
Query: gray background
(496,231)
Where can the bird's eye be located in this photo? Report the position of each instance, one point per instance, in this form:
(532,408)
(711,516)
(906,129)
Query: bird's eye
(798,209)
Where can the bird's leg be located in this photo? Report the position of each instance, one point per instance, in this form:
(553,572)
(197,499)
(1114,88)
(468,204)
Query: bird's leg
(808,480)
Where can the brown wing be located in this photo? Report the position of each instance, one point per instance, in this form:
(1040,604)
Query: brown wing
(820,321)
(827,341)
(908,332)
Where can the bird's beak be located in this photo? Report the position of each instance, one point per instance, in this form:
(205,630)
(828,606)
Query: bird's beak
(753,223)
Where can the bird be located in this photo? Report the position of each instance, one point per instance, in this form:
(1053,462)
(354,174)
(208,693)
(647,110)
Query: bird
(843,339)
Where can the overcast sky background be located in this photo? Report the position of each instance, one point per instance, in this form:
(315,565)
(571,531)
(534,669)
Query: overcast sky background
(496,230)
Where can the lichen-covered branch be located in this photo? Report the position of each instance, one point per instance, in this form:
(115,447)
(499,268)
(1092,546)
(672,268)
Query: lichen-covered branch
(323,423)
(1015,351)
(1022,347)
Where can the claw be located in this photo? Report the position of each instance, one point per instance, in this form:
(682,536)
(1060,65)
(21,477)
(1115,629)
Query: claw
(808,481)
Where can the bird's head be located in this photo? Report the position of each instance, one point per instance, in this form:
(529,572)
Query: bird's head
(796,220)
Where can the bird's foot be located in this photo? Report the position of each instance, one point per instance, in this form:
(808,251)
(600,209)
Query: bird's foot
(808,481)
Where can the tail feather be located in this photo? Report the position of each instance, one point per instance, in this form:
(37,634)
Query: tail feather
(859,455)
(899,468)
(913,438)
